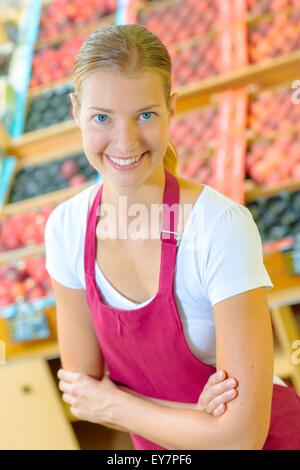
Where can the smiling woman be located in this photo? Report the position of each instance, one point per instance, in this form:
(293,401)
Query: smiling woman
(180,321)
(125,137)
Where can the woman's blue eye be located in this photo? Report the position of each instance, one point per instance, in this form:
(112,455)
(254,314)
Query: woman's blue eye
(101,115)
(147,113)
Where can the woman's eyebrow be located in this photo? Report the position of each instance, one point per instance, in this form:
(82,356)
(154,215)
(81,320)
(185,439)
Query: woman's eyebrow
(111,111)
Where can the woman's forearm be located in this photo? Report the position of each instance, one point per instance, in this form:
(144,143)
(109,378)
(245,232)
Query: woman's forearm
(171,404)
(174,428)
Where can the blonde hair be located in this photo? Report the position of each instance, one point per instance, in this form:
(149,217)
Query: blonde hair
(129,49)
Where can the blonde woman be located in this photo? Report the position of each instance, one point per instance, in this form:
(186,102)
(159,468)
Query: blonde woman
(164,328)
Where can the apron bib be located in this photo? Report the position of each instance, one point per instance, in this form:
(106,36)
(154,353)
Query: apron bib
(145,349)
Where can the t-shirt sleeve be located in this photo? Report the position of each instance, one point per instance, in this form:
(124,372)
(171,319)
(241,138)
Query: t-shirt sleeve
(234,257)
(57,250)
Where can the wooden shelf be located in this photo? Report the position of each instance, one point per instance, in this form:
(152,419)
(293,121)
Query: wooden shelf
(63,137)
(21,253)
(256,18)
(254,191)
(39,201)
(264,74)
(40,90)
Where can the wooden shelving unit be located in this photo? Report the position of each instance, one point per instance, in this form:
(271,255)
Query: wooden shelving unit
(194,95)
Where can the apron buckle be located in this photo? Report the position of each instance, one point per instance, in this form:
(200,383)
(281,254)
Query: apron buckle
(177,236)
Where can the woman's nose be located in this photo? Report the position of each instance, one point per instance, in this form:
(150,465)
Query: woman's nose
(128,140)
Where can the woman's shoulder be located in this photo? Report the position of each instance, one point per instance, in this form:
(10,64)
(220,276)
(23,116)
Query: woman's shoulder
(189,191)
(210,207)
(206,195)
(70,211)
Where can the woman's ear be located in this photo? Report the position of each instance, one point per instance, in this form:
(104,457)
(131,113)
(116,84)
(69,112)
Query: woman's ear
(75,108)
(172,109)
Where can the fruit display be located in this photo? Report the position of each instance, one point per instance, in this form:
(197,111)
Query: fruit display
(49,108)
(273,111)
(180,20)
(273,154)
(198,169)
(54,62)
(26,278)
(24,229)
(276,161)
(277,216)
(258,7)
(275,36)
(196,60)
(35,180)
(194,136)
(194,133)
(63,15)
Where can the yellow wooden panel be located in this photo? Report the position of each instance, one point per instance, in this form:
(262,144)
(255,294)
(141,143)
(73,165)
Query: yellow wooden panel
(31,411)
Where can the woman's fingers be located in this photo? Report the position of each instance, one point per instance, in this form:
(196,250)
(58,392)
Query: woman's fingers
(65,387)
(218,391)
(69,399)
(68,376)
(216,378)
(220,388)
(222,399)
(219,410)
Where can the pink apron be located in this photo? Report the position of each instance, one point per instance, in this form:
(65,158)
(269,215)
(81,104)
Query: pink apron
(145,349)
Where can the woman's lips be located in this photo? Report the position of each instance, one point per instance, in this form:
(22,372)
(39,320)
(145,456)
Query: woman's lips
(132,166)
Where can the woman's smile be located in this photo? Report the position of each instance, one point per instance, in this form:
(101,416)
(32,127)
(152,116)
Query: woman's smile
(125,164)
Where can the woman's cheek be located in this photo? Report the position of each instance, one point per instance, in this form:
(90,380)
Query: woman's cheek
(93,143)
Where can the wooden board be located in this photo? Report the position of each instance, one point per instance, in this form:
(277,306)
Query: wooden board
(286,289)
(31,412)
(254,191)
(40,201)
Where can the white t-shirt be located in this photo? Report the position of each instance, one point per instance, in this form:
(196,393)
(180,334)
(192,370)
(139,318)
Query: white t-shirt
(219,255)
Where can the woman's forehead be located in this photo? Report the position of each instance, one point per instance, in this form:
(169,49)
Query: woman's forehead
(108,87)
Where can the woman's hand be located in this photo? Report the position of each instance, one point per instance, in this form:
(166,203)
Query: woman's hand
(90,399)
(218,391)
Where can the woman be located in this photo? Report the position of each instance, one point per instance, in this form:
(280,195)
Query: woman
(163,311)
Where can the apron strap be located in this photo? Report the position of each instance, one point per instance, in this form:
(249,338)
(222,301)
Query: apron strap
(169,237)
(90,235)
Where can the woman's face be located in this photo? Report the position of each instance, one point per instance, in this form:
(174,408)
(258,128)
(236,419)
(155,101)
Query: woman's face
(124,122)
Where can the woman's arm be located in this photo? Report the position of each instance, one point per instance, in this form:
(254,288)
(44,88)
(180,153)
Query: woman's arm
(80,351)
(245,351)
(78,345)
(218,391)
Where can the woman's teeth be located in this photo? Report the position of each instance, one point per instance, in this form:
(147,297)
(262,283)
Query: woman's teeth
(126,161)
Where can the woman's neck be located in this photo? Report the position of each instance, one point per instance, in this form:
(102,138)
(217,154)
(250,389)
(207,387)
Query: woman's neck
(149,192)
